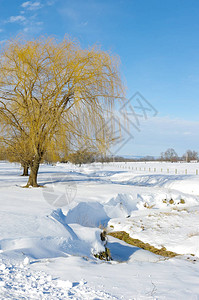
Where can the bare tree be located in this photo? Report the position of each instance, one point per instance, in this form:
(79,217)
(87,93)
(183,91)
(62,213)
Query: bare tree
(190,155)
(169,155)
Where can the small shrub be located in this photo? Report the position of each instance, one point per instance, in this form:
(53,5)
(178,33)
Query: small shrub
(171,201)
(104,255)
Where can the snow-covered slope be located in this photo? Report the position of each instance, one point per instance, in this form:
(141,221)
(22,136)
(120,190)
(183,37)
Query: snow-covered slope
(49,235)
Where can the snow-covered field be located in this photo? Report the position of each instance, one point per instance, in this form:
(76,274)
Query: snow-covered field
(49,235)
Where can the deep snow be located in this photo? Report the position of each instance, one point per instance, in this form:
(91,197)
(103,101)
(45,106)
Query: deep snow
(48,235)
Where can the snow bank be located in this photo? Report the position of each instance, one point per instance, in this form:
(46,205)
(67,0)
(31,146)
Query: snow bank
(89,214)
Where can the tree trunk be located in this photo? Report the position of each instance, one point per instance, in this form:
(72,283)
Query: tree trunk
(34,168)
(25,170)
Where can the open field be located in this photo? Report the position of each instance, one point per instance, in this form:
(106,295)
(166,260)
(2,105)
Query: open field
(49,236)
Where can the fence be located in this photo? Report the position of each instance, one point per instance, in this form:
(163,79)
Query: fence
(158,167)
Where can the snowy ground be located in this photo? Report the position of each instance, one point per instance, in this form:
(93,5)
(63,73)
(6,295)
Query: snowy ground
(48,235)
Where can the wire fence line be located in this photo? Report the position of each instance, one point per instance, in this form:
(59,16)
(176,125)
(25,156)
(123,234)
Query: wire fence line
(158,168)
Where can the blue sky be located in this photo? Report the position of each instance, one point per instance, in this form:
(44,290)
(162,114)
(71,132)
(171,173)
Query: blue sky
(158,44)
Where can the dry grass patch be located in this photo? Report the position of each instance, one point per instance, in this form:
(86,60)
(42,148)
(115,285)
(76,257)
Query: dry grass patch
(124,236)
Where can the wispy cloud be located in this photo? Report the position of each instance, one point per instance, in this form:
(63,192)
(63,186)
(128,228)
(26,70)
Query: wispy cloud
(27,18)
(51,2)
(30,5)
(19,19)
(84,23)
(33,27)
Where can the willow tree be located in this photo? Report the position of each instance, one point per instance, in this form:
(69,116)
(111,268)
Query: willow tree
(45,85)
(17,150)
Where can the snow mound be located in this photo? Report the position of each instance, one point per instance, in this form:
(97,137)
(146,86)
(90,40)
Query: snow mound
(143,255)
(52,237)
(88,214)
(94,214)
(84,241)
(120,206)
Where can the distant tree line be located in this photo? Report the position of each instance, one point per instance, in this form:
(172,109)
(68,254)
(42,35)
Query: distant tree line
(86,156)
(171,155)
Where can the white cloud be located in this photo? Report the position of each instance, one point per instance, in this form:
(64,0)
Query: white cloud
(84,23)
(14,19)
(33,27)
(50,2)
(30,5)
(27,17)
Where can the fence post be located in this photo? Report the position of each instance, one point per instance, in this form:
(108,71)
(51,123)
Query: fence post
(196,172)
(176,171)
(186,171)
(167,170)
